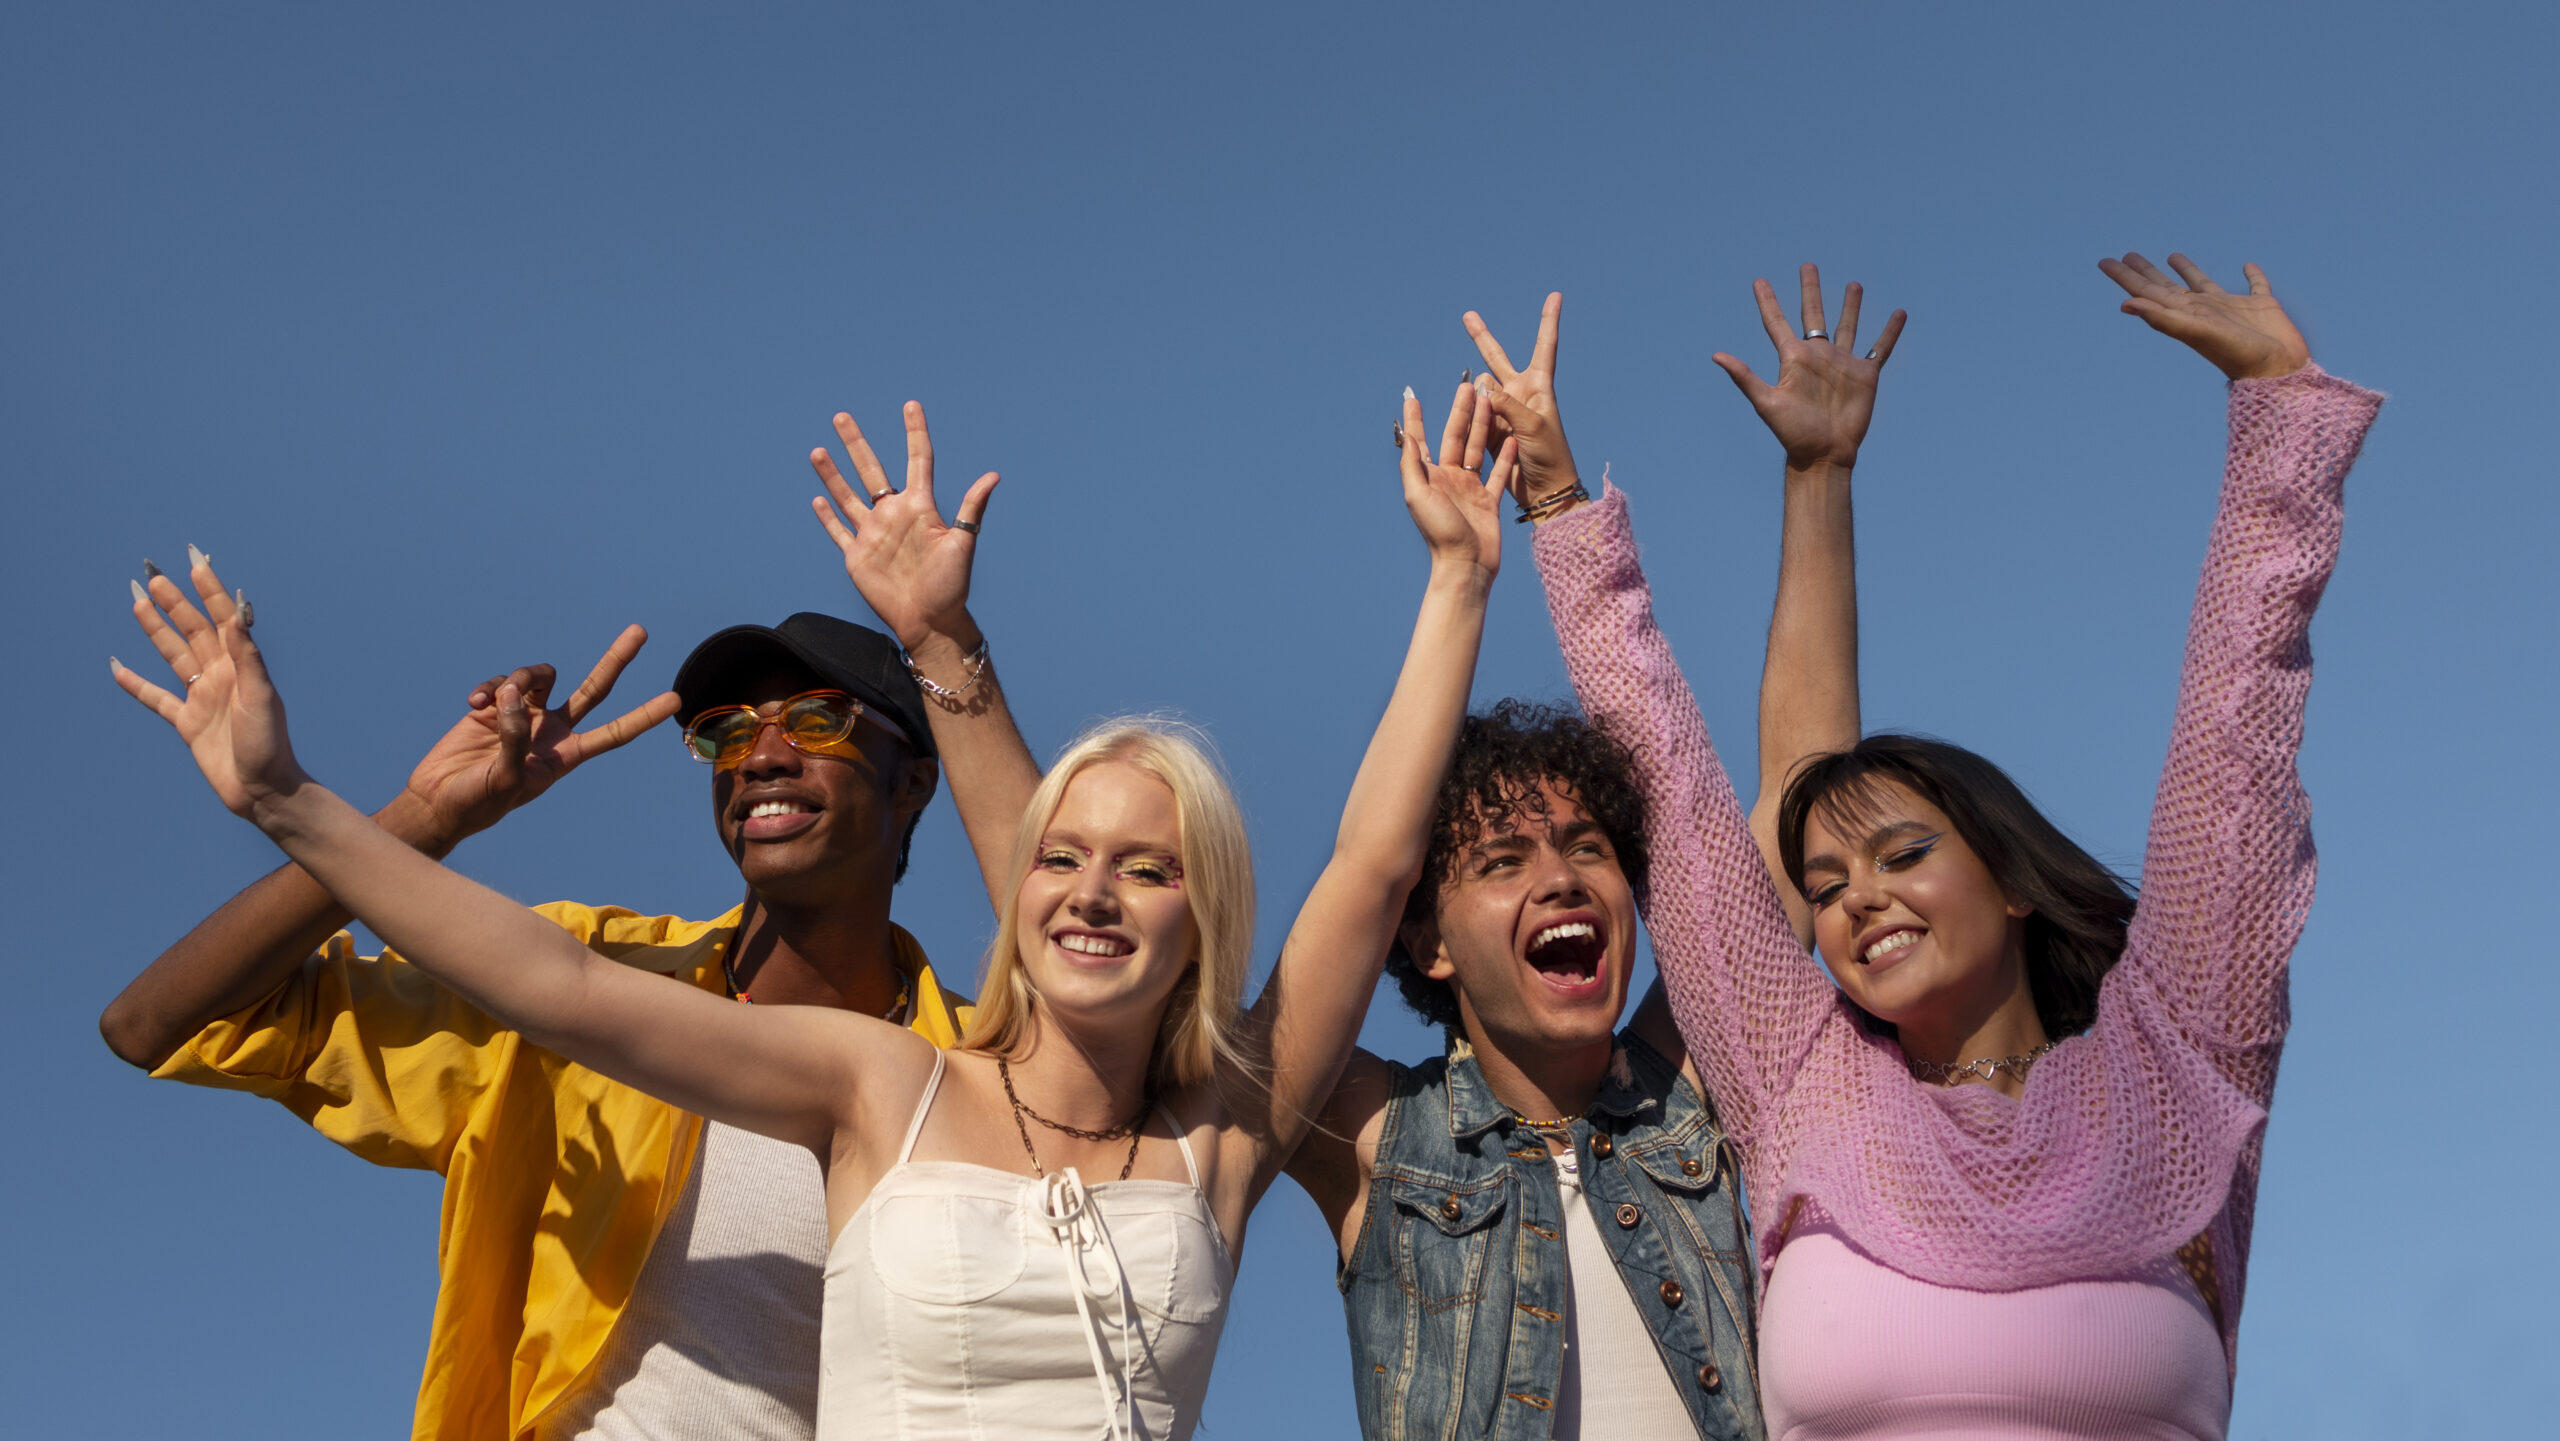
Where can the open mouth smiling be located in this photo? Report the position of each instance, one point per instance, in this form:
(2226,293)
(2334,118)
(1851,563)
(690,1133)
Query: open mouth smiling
(776,817)
(1092,945)
(1570,953)
(1886,949)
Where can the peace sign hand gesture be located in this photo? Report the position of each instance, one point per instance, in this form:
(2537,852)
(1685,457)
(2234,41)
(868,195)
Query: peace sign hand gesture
(1524,404)
(1826,391)
(912,569)
(2247,337)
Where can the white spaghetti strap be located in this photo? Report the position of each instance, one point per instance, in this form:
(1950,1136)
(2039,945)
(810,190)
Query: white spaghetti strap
(915,1127)
(1189,1162)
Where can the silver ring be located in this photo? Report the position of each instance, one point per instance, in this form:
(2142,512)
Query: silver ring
(1871,355)
(878,496)
(970,526)
(191,680)
(1817,335)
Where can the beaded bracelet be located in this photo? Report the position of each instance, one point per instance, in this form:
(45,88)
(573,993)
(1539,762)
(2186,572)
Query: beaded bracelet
(1541,509)
(977,668)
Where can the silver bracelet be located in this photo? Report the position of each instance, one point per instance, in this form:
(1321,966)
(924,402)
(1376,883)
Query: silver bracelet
(977,668)
(1541,509)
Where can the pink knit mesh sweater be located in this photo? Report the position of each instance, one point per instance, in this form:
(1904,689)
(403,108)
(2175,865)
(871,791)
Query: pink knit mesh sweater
(2130,1139)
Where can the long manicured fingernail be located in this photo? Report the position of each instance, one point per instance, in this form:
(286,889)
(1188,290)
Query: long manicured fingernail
(149,569)
(140,596)
(1408,392)
(248,612)
(1484,383)
(196,558)
(1466,375)
(115,667)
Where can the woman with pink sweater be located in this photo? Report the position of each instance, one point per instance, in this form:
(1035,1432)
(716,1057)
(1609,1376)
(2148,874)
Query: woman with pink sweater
(2002,1163)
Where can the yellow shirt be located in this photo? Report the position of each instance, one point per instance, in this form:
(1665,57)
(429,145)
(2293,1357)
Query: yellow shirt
(556,1179)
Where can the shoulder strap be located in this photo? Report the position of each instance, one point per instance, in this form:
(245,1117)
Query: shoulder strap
(1190,1163)
(924,1103)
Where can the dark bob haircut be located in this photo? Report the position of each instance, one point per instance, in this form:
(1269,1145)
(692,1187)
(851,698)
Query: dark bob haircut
(2077,928)
(1502,758)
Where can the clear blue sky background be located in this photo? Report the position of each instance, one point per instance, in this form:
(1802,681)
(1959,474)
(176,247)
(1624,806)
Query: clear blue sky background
(463,337)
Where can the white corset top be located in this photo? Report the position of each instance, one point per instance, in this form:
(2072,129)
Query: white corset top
(963,1301)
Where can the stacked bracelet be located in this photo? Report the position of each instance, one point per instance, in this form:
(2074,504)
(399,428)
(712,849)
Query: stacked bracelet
(977,668)
(1540,509)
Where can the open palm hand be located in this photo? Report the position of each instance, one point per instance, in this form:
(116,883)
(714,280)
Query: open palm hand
(1825,395)
(912,569)
(231,719)
(2247,337)
(1457,510)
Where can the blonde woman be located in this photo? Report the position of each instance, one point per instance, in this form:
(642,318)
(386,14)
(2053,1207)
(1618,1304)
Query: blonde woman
(1032,1235)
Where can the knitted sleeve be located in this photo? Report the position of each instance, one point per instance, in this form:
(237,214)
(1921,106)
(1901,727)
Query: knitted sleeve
(2227,876)
(1747,998)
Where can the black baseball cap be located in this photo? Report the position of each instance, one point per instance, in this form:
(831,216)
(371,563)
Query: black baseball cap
(855,659)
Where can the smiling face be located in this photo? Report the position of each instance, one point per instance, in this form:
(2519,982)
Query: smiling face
(806,826)
(1534,929)
(1104,926)
(1913,925)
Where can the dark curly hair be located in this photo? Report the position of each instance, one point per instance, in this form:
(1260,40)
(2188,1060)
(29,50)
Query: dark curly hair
(2082,909)
(1501,759)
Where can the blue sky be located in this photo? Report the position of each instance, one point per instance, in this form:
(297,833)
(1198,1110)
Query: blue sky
(464,337)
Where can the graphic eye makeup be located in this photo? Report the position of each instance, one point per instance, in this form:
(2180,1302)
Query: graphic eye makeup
(1058,858)
(1152,871)
(1910,855)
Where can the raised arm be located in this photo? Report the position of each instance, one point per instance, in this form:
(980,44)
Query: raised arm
(2228,874)
(1819,409)
(1309,1014)
(786,1071)
(490,763)
(913,571)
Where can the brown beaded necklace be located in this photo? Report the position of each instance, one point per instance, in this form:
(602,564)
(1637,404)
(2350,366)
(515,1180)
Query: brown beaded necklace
(1134,1128)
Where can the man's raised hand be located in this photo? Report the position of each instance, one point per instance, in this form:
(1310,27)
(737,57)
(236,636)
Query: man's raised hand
(1825,394)
(912,569)
(511,744)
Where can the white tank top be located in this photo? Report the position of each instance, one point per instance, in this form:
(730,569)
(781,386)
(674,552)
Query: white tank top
(967,1302)
(721,1335)
(1616,1385)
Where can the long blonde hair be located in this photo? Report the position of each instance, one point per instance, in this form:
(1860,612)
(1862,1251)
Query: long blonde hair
(1200,1025)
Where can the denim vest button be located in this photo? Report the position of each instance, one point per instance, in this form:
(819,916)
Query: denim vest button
(1628,1215)
(1672,1295)
(1449,1208)
(1600,1147)
(1689,1166)
(1711,1378)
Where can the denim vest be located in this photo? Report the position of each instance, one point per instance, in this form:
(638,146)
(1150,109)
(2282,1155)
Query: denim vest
(1457,1287)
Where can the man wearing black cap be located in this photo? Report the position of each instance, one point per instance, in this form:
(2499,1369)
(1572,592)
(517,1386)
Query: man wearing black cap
(611,1267)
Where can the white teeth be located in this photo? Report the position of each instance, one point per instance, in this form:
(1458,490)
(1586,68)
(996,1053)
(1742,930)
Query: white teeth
(1558,933)
(1892,943)
(1095,945)
(761,809)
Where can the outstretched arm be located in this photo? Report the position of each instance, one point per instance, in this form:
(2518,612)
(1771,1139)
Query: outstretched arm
(2227,877)
(487,765)
(1819,409)
(913,571)
(785,1071)
(1309,1014)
